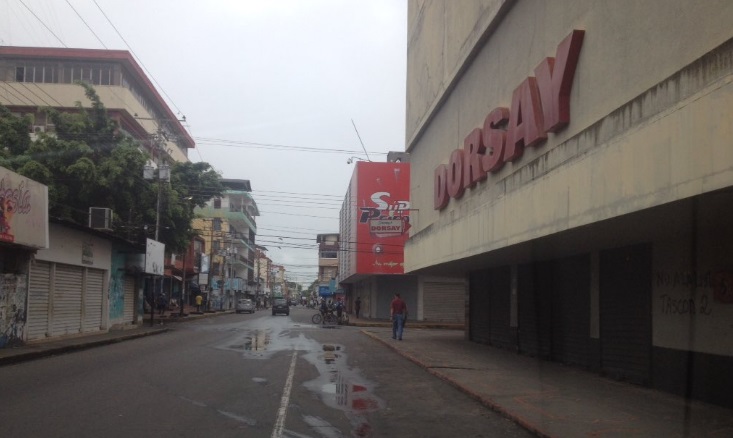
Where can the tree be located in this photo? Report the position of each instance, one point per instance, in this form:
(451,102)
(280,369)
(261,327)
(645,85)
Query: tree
(89,162)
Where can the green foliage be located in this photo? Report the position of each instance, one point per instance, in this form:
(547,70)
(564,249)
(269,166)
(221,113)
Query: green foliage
(88,162)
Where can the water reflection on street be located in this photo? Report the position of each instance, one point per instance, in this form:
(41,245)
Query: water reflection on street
(338,386)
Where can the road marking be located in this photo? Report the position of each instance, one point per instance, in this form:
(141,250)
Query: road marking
(285,400)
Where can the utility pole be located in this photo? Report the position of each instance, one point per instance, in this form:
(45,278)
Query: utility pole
(163,174)
(183,286)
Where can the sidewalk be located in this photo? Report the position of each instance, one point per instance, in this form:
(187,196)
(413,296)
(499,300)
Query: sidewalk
(37,350)
(550,399)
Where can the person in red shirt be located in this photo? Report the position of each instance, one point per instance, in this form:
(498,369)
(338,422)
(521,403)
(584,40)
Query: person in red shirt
(397,313)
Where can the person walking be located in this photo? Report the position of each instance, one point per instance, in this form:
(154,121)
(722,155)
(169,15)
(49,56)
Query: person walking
(397,313)
(199,301)
(357,306)
(161,304)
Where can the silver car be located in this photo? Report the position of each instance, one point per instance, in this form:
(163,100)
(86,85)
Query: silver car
(245,305)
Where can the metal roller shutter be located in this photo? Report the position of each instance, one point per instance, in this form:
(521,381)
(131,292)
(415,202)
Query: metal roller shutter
(625,309)
(67,304)
(93,300)
(478,306)
(571,310)
(38,306)
(129,299)
(534,317)
(444,302)
(500,313)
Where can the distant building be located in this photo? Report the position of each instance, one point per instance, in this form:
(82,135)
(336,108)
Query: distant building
(228,226)
(375,221)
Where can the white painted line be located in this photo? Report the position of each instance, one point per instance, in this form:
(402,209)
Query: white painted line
(277,432)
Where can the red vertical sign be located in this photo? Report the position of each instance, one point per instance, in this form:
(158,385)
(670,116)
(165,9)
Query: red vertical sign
(383,217)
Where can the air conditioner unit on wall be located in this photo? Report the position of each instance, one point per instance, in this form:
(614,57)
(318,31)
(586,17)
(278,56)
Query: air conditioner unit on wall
(100,218)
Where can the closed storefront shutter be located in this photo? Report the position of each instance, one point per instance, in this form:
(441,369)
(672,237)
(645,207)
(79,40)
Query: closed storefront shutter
(478,305)
(444,302)
(129,299)
(625,299)
(534,317)
(38,308)
(571,310)
(67,304)
(93,300)
(499,308)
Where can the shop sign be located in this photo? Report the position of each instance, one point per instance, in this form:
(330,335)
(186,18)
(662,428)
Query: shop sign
(540,105)
(23,210)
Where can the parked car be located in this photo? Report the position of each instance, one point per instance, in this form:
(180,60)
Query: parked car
(245,305)
(280,305)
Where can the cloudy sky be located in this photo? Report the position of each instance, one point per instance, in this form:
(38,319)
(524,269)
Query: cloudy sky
(273,91)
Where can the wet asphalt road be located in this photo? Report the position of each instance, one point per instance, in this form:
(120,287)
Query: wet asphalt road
(240,376)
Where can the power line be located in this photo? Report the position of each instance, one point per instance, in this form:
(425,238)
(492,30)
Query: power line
(44,24)
(137,57)
(86,24)
(257,145)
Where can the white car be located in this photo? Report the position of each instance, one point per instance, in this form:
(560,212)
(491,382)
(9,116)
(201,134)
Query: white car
(245,305)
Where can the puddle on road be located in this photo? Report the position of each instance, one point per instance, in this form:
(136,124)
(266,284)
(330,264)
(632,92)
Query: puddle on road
(338,386)
(343,388)
(258,341)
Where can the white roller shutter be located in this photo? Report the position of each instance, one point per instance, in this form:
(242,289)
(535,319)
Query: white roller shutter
(93,300)
(67,304)
(129,299)
(444,302)
(38,305)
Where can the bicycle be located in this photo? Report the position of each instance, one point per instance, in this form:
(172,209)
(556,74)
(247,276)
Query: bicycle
(317,318)
(330,319)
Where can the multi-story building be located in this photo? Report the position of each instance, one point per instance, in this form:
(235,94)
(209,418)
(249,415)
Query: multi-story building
(263,279)
(228,226)
(375,220)
(572,162)
(279,285)
(33,78)
(328,262)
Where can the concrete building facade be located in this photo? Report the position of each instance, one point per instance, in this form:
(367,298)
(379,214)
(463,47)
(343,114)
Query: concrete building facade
(33,78)
(571,162)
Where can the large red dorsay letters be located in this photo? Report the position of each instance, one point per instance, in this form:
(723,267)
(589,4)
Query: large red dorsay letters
(540,104)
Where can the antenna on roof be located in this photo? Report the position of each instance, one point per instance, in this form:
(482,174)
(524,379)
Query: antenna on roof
(362,143)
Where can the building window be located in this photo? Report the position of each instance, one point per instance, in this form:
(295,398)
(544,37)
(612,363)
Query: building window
(329,255)
(215,245)
(216,224)
(217,203)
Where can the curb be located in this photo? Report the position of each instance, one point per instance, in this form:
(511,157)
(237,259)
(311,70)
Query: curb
(479,398)
(54,351)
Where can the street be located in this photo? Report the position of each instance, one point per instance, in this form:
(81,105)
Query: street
(248,375)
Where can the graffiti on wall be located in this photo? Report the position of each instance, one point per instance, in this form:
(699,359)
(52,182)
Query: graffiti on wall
(13,295)
(116,297)
(709,288)
(117,289)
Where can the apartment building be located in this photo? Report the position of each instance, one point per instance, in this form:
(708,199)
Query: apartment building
(228,227)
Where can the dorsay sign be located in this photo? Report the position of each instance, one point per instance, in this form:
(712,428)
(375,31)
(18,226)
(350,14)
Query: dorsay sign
(540,104)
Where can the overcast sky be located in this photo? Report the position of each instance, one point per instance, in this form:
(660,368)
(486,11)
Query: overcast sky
(252,74)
